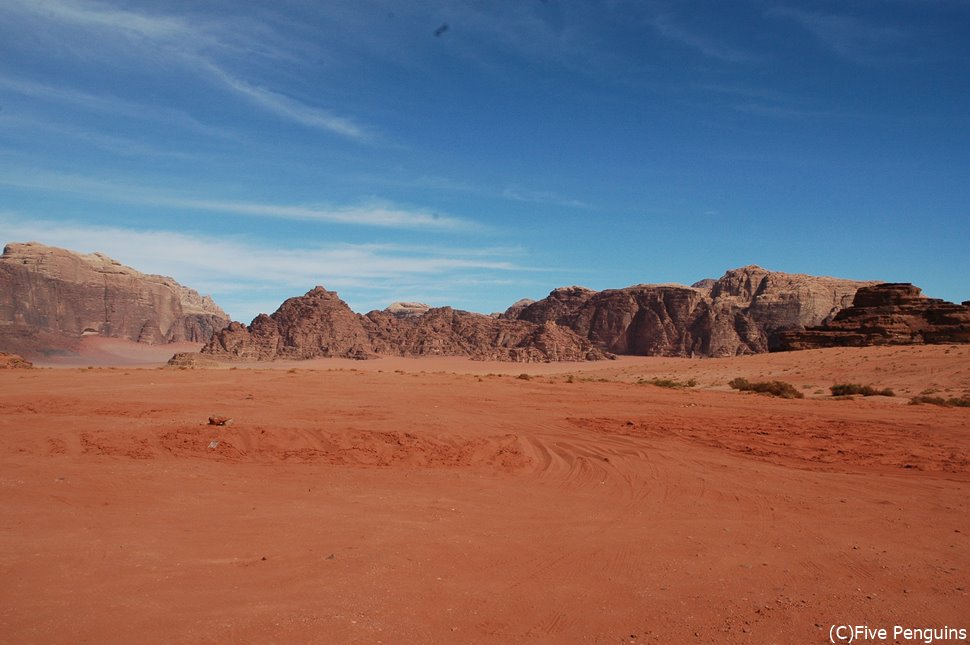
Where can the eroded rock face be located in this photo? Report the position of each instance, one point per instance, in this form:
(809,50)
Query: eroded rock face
(14,362)
(445,331)
(320,324)
(741,313)
(647,321)
(50,297)
(776,302)
(887,314)
(316,325)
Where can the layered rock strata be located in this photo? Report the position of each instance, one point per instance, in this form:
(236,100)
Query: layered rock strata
(887,314)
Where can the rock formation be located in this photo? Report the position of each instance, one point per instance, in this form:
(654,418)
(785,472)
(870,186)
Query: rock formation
(407,309)
(663,320)
(320,324)
(13,362)
(50,297)
(887,314)
(316,325)
(741,313)
(449,332)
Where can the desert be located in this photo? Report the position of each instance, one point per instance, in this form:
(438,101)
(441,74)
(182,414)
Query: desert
(544,321)
(447,500)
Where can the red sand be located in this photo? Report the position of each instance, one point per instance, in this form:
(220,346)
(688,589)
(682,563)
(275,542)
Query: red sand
(426,501)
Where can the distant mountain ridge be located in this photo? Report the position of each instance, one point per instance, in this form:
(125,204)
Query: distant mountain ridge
(743,312)
(320,324)
(51,297)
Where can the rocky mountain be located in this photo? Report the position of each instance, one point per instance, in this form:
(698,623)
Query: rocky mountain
(743,312)
(445,331)
(51,297)
(320,324)
(887,314)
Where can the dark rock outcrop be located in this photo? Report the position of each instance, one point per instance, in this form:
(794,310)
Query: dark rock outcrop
(13,362)
(51,297)
(743,312)
(449,332)
(886,314)
(661,320)
(320,324)
(194,360)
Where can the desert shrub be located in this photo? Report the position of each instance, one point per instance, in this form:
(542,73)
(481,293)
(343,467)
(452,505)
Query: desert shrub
(524,377)
(570,378)
(847,389)
(952,402)
(667,382)
(774,388)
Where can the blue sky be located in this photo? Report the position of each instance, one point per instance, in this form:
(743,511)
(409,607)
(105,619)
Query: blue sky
(471,153)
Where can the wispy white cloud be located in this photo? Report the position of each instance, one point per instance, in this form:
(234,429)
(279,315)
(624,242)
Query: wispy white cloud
(853,38)
(288,108)
(513,193)
(373,212)
(710,47)
(111,105)
(542,197)
(193,46)
(242,271)
(99,15)
(127,147)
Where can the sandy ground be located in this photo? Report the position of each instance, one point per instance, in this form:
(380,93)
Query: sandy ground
(447,501)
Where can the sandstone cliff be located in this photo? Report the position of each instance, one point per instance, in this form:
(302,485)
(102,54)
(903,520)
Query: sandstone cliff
(777,302)
(320,324)
(743,312)
(887,314)
(50,297)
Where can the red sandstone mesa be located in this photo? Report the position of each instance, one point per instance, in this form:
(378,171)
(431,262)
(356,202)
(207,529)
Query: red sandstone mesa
(51,297)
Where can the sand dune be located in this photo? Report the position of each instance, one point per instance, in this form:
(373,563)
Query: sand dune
(442,500)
